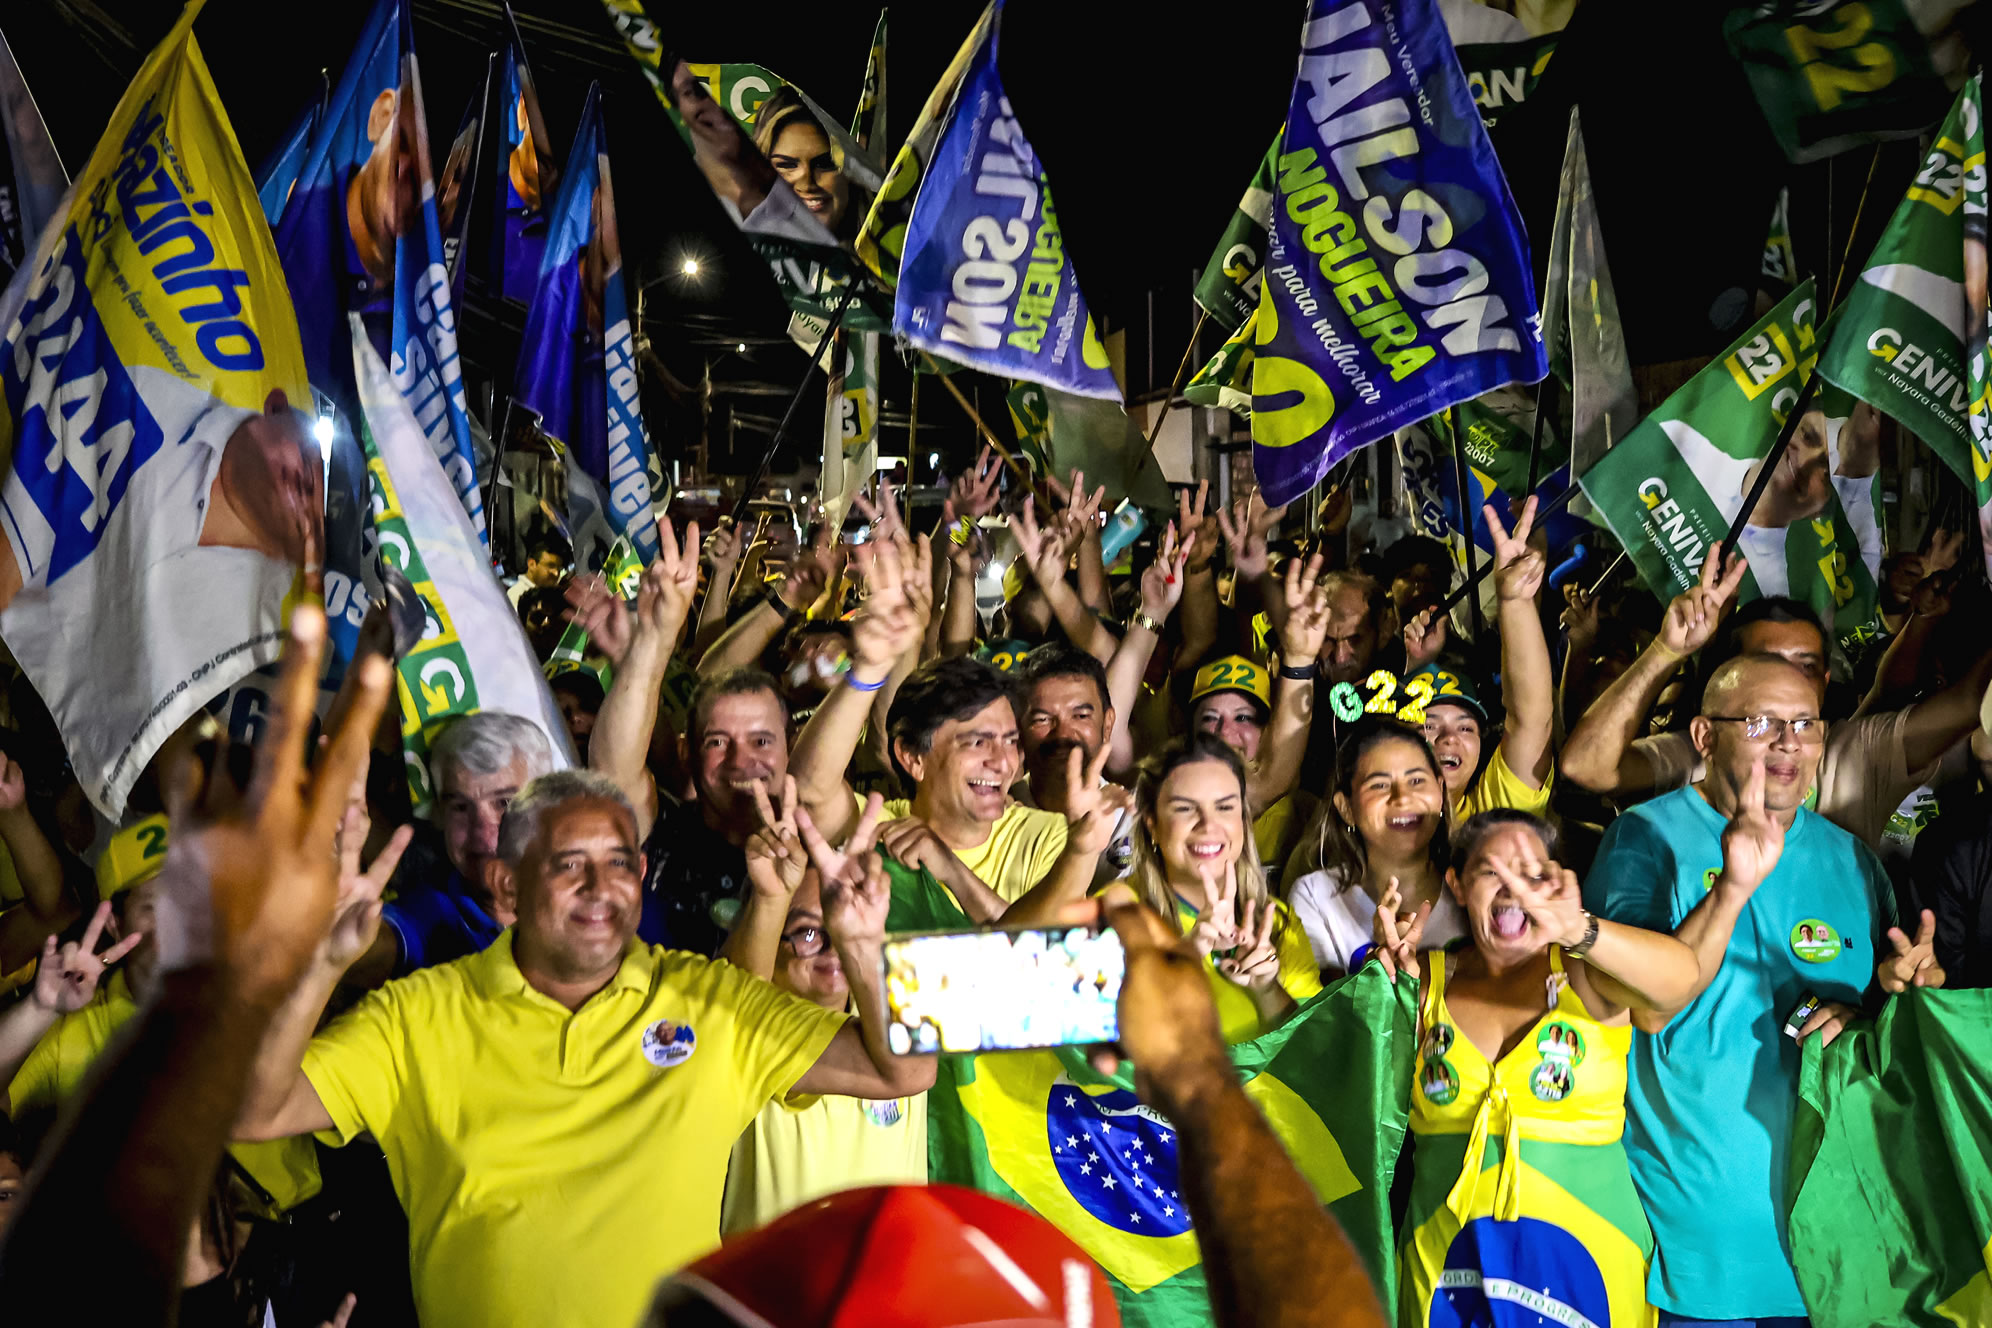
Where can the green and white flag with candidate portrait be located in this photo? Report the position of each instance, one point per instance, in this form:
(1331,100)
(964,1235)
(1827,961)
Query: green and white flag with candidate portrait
(1911,335)
(1674,484)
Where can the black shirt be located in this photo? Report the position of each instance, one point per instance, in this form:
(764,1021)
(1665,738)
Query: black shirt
(1951,875)
(692,882)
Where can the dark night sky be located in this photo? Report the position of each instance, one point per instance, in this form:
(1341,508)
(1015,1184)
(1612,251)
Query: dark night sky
(1149,118)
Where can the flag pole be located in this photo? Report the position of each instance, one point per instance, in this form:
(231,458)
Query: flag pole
(788,416)
(1771,460)
(1463,487)
(1535,439)
(1017,467)
(1175,386)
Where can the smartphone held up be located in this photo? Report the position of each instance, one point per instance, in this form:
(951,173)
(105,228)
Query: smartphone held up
(1002,989)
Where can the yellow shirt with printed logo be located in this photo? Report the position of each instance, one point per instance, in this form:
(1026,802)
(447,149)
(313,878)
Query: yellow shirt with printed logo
(286,1169)
(1023,845)
(802,1150)
(555,1164)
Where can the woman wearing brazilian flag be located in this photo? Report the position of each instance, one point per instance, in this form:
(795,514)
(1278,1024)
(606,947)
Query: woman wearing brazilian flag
(1520,1189)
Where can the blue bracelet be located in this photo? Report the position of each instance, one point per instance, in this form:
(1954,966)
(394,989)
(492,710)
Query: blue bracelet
(851,681)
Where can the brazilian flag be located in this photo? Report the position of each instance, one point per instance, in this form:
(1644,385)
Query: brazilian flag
(1043,1129)
(1891,1213)
(1227,380)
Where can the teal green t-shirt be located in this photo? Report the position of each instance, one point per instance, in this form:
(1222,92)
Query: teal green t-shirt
(1709,1098)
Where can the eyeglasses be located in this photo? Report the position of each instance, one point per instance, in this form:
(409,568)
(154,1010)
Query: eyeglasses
(1769,728)
(805,942)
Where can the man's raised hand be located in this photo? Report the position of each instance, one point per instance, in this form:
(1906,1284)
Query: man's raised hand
(1691,618)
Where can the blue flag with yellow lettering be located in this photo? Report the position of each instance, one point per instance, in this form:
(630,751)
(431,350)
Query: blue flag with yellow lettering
(1043,1129)
(577,362)
(1397,277)
(984,279)
(160,496)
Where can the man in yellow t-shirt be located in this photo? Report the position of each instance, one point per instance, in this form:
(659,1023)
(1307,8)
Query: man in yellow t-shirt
(557,1110)
(806,1147)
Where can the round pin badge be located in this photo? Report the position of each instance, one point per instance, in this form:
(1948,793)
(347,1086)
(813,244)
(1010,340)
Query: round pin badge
(1552,1080)
(1708,878)
(1815,942)
(1439,1083)
(668,1045)
(1560,1042)
(1438,1042)
(884,1114)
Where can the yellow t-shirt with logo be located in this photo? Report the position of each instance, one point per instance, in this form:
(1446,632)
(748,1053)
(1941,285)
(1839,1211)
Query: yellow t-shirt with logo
(1500,786)
(554,1164)
(1300,976)
(287,1169)
(798,1151)
(1022,847)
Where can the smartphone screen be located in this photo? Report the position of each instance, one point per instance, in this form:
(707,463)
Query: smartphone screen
(1002,989)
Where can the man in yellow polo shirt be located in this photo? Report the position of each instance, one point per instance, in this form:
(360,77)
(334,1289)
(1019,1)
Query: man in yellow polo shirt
(557,1111)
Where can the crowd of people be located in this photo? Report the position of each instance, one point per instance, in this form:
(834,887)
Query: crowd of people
(519,1061)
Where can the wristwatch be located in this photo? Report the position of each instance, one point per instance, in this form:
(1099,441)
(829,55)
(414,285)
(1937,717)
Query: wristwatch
(1583,947)
(1140,619)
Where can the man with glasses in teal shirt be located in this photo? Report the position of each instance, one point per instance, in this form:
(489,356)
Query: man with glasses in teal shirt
(1779,905)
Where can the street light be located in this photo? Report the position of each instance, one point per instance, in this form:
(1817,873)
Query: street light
(690,267)
(742,348)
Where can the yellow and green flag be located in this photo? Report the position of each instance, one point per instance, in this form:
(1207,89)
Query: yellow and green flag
(1045,1130)
(1891,1214)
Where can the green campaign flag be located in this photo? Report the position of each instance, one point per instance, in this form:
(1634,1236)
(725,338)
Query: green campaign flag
(1227,380)
(1503,75)
(1672,486)
(868,121)
(1045,1130)
(1062,433)
(1229,289)
(1891,1184)
(1910,338)
(1832,76)
(1779,270)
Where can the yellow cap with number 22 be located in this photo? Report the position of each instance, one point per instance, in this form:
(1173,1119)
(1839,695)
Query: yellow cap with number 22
(1233,673)
(135,854)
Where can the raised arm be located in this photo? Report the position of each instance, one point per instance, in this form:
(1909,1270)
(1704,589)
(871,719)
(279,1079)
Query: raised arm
(46,905)
(776,864)
(743,644)
(1527,695)
(1630,968)
(1247,527)
(248,885)
(1044,553)
(972,497)
(1281,749)
(856,898)
(620,745)
(1199,603)
(1092,811)
(1161,590)
(1598,756)
(887,627)
(1084,515)
(722,559)
(65,981)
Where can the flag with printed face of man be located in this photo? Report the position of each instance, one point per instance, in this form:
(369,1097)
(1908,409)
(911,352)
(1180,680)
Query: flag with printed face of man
(161,497)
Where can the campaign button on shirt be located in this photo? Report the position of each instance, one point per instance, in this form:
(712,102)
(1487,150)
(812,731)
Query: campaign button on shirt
(1815,942)
(668,1045)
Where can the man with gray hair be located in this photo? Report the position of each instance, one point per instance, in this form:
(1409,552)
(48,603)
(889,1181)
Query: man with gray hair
(479,763)
(557,1111)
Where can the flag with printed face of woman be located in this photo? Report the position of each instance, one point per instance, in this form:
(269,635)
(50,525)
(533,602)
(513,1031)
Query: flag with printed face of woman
(577,360)
(1671,488)
(985,279)
(1397,279)
(160,494)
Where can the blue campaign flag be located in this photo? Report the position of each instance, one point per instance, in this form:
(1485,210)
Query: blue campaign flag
(1397,277)
(984,278)
(525,182)
(456,187)
(278,174)
(369,163)
(577,362)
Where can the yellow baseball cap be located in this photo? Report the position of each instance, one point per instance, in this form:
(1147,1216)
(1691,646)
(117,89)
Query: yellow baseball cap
(135,854)
(1233,673)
